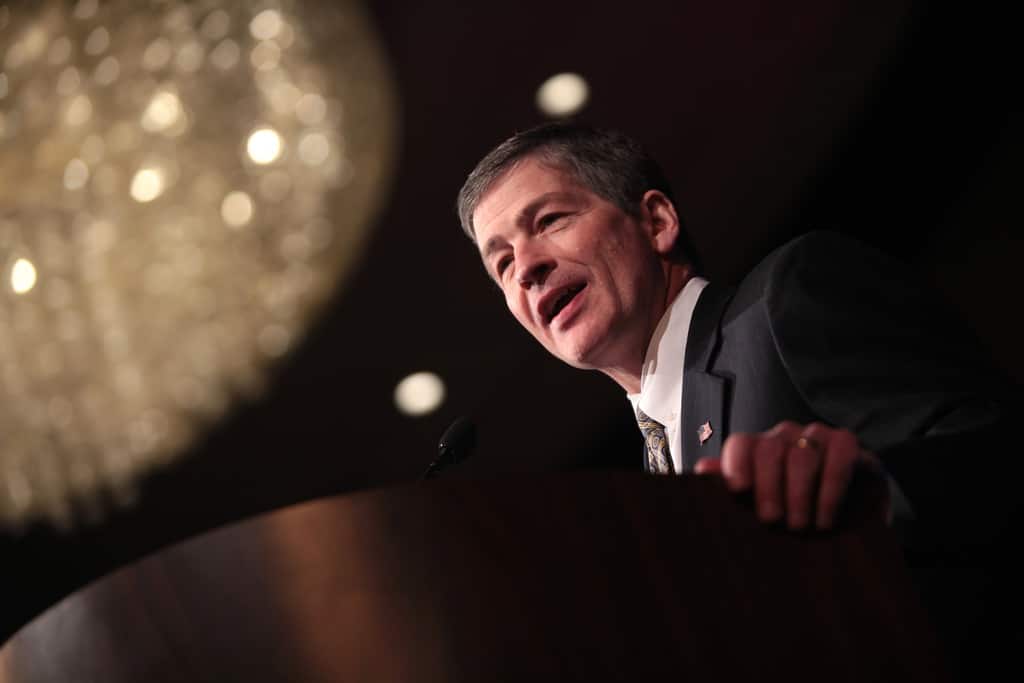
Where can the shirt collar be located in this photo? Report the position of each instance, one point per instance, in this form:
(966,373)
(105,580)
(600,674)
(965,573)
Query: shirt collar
(661,378)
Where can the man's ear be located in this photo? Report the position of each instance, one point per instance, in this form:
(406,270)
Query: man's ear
(663,221)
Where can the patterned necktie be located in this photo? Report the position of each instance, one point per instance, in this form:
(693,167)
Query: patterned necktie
(658,458)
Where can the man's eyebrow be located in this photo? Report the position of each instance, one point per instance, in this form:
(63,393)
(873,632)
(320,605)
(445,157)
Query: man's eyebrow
(524,218)
(492,245)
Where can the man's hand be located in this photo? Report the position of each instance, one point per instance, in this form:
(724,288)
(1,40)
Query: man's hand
(795,471)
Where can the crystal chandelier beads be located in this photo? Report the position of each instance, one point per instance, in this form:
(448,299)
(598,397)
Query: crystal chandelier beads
(181,185)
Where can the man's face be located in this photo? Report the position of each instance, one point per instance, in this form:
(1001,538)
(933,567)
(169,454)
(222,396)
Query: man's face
(581,275)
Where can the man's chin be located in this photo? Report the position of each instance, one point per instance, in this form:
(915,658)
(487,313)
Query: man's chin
(589,349)
(578,355)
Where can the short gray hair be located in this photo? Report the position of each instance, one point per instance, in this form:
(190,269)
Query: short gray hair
(610,164)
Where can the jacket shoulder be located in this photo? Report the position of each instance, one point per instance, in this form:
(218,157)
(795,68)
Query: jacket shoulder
(810,261)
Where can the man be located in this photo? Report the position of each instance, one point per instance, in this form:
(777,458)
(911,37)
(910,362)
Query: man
(787,385)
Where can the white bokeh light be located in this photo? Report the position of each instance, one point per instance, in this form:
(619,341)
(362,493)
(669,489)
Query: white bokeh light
(264,146)
(266,25)
(419,393)
(147,185)
(76,174)
(79,110)
(314,149)
(310,109)
(163,111)
(562,95)
(23,276)
(236,209)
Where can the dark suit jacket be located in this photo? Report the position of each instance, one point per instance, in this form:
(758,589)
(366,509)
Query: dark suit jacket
(826,329)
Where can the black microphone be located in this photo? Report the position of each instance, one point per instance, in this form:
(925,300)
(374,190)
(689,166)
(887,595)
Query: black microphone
(456,445)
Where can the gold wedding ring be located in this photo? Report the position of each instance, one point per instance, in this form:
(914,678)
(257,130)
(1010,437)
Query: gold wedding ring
(807,442)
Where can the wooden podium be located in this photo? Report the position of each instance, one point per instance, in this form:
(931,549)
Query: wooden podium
(583,577)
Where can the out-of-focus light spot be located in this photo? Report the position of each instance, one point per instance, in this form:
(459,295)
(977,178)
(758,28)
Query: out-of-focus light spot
(216,25)
(97,42)
(265,56)
(107,71)
(76,174)
(60,50)
(286,37)
(29,48)
(266,25)
(23,276)
(264,145)
(147,185)
(310,109)
(79,111)
(225,55)
(190,57)
(86,9)
(178,19)
(236,209)
(314,149)
(562,94)
(157,54)
(283,96)
(68,81)
(419,393)
(162,112)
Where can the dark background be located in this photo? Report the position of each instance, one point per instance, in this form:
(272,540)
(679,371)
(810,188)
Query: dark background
(894,121)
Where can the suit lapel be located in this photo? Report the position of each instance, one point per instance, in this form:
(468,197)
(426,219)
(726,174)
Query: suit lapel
(703,408)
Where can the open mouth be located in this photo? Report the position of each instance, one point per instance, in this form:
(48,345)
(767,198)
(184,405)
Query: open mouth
(563,300)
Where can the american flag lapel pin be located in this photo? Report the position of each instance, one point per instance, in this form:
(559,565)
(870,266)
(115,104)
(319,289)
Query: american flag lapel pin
(704,432)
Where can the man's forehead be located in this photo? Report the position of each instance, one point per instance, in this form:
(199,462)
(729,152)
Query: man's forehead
(523,184)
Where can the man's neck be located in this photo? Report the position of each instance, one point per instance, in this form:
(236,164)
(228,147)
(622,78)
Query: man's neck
(628,376)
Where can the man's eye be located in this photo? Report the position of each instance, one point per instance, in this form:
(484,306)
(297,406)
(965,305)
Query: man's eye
(548,219)
(502,264)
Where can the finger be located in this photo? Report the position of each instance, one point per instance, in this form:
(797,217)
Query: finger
(803,465)
(769,458)
(786,430)
(709,465)
(841,457)
(737,457)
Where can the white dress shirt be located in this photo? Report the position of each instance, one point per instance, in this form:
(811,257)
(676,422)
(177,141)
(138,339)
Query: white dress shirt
(661,378)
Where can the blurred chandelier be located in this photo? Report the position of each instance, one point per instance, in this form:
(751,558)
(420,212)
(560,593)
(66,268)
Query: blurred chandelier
(181,185)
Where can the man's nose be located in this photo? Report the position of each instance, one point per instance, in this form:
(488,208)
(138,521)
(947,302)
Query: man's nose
(534,268)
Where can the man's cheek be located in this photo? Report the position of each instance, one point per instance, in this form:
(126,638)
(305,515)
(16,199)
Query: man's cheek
(523,318)
(513,308)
